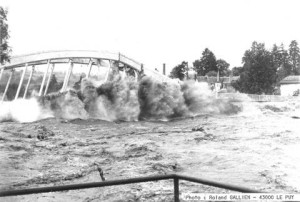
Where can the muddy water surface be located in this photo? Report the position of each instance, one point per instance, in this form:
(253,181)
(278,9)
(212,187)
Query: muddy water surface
(257,148)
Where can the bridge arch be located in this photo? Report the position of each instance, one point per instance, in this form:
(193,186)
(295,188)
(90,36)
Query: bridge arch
(88,58)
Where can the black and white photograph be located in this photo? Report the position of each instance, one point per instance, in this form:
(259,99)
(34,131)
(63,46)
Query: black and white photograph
(148,100)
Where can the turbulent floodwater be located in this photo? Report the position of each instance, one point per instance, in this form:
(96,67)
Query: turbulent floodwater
(257,148)
(255,145)
(121,99)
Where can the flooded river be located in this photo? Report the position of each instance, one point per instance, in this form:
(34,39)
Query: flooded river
(257,148)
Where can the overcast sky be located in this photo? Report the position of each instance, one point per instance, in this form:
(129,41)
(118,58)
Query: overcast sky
(154,31)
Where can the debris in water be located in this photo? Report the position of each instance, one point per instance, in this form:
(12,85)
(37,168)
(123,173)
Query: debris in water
(43,132)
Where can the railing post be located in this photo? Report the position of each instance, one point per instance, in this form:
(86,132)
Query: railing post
(28,82)
(7,84)
(176,189)
(21,81)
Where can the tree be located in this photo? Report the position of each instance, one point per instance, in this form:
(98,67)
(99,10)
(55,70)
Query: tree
(179,71)
(212,74)
(200,71)
(259,73)
(236,71)
(4,36)
(223,67)
(281,62)
(294,56)
(206,63)
(280,55)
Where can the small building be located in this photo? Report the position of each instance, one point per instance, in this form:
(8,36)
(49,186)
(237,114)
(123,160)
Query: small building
(290,85)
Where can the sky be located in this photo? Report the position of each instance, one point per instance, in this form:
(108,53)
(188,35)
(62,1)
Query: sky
(152,32)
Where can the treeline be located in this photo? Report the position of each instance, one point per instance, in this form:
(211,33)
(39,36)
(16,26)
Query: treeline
(208,65)
(261,72)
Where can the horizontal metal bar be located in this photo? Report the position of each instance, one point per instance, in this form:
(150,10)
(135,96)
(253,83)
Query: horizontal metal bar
(85,186)
(217,184)
(176,177)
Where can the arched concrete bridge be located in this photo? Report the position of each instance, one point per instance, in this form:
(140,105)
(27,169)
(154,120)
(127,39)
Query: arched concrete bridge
(70,57)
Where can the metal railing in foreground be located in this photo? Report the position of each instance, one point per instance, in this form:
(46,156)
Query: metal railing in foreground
(175,177)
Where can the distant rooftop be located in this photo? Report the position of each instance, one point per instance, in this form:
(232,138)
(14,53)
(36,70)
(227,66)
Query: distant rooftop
(291,80)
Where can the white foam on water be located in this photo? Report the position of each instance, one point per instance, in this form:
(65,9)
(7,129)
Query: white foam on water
(22,110)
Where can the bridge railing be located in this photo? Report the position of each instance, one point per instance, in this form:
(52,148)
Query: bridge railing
(129,61)
(175,177)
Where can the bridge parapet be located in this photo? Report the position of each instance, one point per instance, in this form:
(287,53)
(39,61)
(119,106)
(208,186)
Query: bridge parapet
(59,57)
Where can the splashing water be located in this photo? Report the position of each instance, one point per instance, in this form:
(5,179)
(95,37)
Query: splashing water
(122,99)
(160,100)
(23,111)
(118,100)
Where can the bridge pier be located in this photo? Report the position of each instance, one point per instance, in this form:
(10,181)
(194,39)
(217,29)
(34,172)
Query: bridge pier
(49,78)
(89,68)
(28,82)
(67,76)
(21,81)
(44,78)
(7,84)
(99,65)
(108,71)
